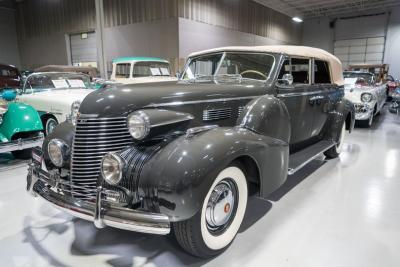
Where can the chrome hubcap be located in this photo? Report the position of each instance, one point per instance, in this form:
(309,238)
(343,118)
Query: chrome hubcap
(50,126)
(221,205)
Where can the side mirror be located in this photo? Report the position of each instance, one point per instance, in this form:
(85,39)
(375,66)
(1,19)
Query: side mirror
(287,79)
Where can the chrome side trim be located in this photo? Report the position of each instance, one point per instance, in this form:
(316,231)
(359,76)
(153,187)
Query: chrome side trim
(192,131)
(179,103)
(300,94)
(188,118)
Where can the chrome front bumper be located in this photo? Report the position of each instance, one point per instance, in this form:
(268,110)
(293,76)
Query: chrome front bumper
(101,212)
(363,111)
(21,144)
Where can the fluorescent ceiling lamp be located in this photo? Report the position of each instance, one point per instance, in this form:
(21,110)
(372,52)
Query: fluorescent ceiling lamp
(297,19)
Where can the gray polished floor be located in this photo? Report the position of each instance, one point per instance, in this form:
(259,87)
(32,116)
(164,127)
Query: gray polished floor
(342,212)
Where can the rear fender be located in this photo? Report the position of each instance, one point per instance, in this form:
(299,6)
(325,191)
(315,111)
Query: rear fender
(343,110)
(177,178)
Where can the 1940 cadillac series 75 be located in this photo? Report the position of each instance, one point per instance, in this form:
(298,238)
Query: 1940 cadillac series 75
(186,155)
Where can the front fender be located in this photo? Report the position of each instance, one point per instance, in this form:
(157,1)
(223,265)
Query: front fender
(343,110)
(177,178)
(20,118)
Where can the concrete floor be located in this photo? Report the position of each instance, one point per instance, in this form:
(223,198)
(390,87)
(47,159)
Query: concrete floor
(343,212)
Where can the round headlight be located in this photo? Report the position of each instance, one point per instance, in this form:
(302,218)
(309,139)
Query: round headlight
(138,125)
(111,168)
(58,151)
(366,97)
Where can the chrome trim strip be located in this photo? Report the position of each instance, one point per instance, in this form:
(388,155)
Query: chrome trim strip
(86,116)
(179,103)
(300,94)
(188,118)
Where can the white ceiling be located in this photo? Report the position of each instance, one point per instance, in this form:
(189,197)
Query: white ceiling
(331,8)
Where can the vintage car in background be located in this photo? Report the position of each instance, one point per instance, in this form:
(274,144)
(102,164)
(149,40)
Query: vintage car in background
(141,70)
(394,107)
(9,76)
(20,126)
(55,95)
(90,71)
(186,154)
(391,84)
(367,95)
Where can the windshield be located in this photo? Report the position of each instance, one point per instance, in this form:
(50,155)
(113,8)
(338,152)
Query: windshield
(243,65)
(52,81)
(358,78)
(148,68)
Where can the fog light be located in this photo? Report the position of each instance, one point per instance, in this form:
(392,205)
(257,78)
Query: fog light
(111,168)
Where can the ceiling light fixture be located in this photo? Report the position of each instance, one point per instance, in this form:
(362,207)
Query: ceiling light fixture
(297,19)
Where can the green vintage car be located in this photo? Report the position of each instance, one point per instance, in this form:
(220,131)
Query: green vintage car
(20,126)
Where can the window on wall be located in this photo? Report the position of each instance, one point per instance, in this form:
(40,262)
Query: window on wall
(301,70)
(321,72)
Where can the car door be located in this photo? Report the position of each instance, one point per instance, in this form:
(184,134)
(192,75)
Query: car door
(325,92)
(297,99)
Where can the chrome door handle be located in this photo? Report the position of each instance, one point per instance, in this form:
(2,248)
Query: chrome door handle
(317,97)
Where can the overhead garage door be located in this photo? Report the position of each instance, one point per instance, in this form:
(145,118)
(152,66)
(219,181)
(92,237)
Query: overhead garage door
(361,50)
(83,49)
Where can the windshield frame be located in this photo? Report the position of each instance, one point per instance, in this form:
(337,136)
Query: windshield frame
(24,87)
(224,53)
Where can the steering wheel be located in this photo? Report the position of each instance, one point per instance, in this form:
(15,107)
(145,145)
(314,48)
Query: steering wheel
(254,71)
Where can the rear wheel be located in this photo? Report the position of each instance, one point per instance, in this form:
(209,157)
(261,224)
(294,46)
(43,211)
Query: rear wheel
(214,227)
(334,151)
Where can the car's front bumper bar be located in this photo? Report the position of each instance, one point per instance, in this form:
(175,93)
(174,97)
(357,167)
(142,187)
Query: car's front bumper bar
(101,212)
(363,111)
(21,144)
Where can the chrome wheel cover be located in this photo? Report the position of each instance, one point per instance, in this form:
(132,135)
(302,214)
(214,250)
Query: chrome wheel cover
(221,206)
(50,125)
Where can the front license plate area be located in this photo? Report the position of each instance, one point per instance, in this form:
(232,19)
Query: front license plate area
(37,156)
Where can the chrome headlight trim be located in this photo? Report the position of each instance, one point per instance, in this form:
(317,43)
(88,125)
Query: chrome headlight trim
(138,125)
(58,152)
(366,97)
(112,175)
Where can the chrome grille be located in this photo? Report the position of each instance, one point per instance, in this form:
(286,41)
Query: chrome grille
(240,110)
(94,137)
(217,114)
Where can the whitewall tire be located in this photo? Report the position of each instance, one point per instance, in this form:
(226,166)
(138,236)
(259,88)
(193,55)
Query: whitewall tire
(215,226)
(334,151)
(49,125)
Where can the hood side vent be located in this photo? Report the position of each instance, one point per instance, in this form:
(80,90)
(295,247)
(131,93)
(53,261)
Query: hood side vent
(217,114)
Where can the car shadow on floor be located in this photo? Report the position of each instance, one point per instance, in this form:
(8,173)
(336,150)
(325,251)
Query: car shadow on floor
(137,249)
(8,162)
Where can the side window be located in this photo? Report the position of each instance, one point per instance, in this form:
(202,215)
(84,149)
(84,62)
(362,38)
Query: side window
(285,69)
(301,70)
(321,72)
(123,70)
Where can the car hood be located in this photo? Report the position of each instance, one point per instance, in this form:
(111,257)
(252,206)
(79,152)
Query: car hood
(64,95)
(120,100)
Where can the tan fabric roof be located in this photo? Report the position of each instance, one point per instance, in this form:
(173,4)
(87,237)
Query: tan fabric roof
(291,50)
(91,71)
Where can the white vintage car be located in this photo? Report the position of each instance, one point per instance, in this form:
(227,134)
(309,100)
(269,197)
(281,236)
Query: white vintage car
(55,95)
(129,70)
(367,95)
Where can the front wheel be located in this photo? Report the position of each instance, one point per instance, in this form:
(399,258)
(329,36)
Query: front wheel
(214,227)
(334,151)
(49,124)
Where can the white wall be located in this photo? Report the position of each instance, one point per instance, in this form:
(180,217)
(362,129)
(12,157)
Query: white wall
(8,45)
(195,36)
(317,33)
(392,49)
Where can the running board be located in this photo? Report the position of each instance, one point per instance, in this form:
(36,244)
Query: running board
(299,159)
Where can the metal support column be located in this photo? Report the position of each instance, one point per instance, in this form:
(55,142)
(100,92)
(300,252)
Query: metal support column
(101,57)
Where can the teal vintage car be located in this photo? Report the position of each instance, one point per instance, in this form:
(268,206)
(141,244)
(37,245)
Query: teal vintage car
(20,126)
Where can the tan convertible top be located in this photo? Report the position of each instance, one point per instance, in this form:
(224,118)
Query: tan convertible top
(290,50)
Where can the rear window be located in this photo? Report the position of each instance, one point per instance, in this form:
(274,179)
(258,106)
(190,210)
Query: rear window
(122,70)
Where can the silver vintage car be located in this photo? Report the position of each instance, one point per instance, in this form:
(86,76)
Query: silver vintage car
(368,96)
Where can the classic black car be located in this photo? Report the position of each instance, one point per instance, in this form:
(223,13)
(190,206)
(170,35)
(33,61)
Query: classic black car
(186,155)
